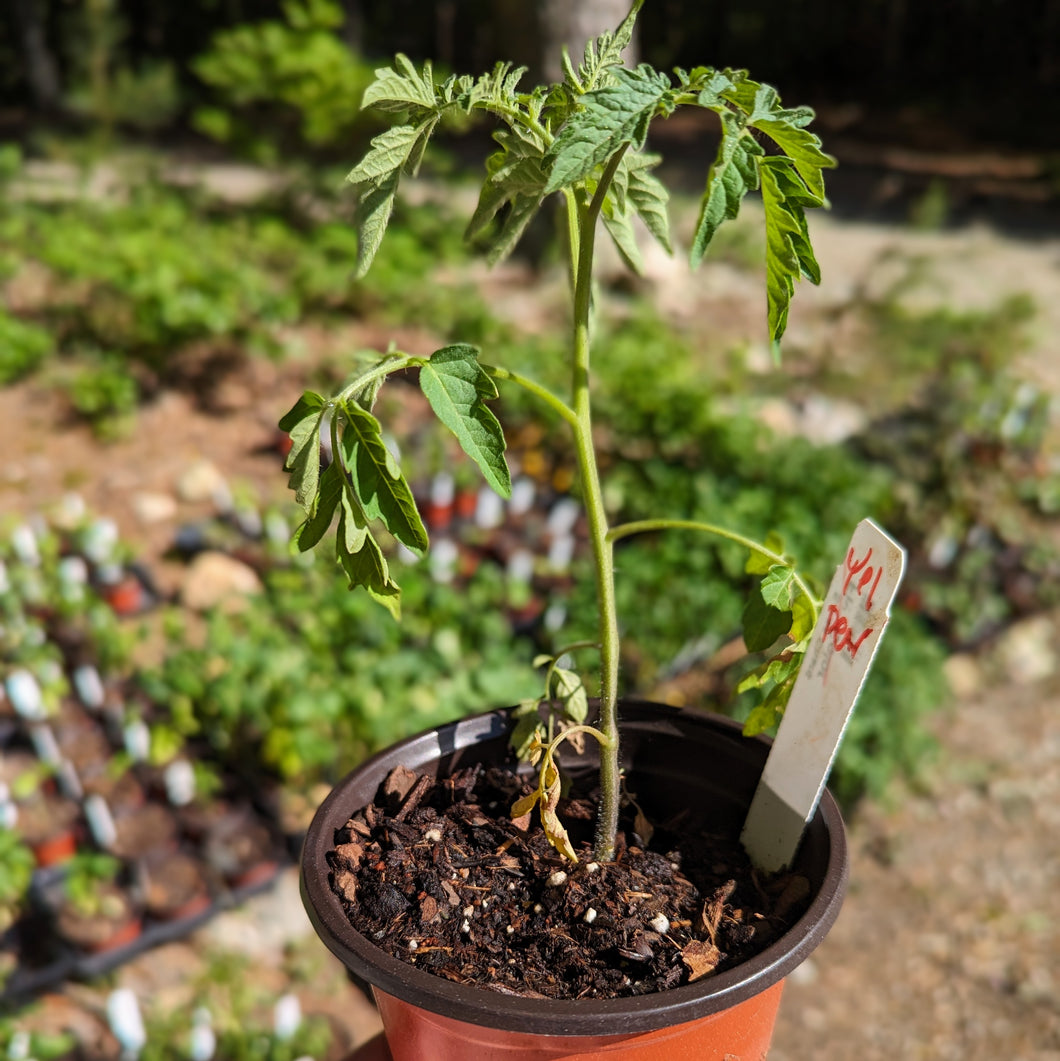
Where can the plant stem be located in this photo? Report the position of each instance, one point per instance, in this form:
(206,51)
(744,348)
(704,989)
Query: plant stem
(535,389)
(582,242)
(625,530)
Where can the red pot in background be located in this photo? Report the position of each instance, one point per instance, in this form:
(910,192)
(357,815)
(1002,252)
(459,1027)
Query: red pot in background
(673,758)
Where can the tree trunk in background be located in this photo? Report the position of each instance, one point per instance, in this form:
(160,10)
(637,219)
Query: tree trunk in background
(42,74)
(570,23)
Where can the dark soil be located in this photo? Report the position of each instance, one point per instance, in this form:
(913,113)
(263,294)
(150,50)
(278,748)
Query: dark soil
(437,873)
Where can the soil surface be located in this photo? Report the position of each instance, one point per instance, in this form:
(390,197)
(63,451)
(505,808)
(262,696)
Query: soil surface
(948,946)
(441,876)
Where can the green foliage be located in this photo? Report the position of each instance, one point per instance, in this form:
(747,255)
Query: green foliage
(23,347)
(83,877)
(308,681)
(163,275)
(283,86)
(16,871)
(102,391)
(43,1045)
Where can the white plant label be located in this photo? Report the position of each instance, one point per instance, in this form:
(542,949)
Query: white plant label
(844,642)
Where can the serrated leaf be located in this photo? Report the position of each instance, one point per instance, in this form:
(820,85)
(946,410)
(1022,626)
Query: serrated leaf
(803,148)
(376,478)
(309,404)
(316,525)
(620,228)
(455,385)
(649,198)
(763,624)
(389,151)
(778,587)
(400,86)
(757,564)
(303,460)
(366,566)
(789,254)
(608,118)
(603,53)
(732,175)
(373,215)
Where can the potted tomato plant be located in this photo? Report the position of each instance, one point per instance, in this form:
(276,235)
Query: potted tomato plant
(612,926)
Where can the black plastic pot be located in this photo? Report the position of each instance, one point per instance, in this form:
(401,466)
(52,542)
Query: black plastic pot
(673,758)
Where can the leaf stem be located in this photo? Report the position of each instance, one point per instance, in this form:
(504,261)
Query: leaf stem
(644,526)
(550,399)
(391,364)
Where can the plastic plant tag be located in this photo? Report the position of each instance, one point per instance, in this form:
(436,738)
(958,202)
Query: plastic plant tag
(179,779)
(843,644)
(89,686)
(126,1022)
(100,821)
(45,745)
(24,692)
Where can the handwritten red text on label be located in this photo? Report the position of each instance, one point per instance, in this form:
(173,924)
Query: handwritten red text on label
(862,576)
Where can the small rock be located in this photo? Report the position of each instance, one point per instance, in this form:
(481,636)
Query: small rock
(1028,650)
(215,579)
(964,675)
(153,507)
(202,481)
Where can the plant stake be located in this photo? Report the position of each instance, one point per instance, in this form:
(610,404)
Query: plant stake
(842,647)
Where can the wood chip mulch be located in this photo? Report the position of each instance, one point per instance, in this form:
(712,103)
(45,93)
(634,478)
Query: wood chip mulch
(436,873)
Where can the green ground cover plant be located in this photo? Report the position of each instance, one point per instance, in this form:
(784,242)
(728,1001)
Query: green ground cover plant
(307,668)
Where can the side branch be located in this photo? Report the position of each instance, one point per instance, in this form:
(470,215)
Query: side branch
(644,526)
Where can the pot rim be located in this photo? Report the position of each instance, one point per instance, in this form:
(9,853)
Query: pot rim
(556,1017)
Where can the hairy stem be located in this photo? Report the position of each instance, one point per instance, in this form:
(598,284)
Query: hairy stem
(582,243)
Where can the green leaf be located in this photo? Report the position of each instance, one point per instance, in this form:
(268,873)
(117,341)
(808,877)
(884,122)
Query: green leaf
(757,564)
(804,149)
(528,726)
(789,254)
(762,623)
(455,385)
(309,404)
(778,587)
(401,86)
(365,566)
(609,117)
(381,489)
(373,215)
(803,618)
(315,526)
(620,228)
(775,671)
(649,197)
(732,175)
(388,153)
(602,54)
(302,423)
(568,687)
(515,175)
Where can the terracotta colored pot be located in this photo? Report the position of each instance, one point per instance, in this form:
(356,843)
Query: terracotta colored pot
(673,758)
